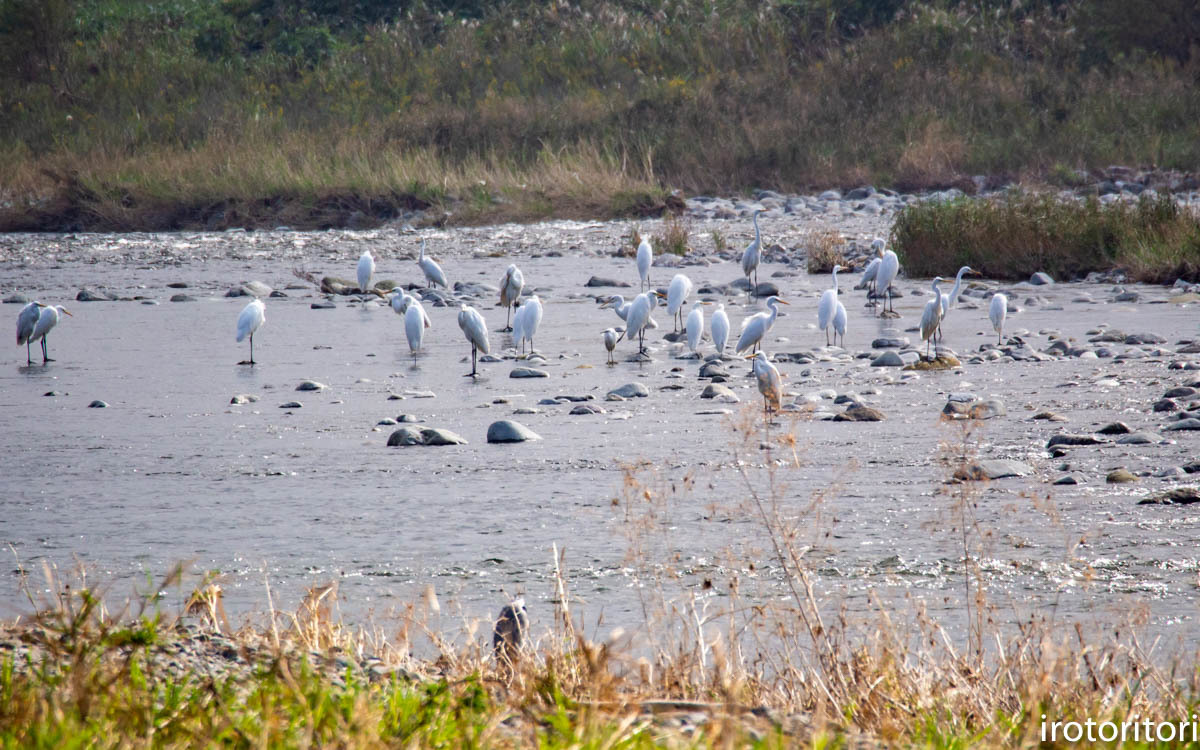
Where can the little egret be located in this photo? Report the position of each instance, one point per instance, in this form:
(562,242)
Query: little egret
(252,317)
(754,328)
(510,291)
(415,323)
(839,324)
(997,311)
(474,327)
(621,308)
(645,259)
(868,280)
(677,294)
(366,269)
(518,327)
(931,317)
(770,384)
(431,269)
(401,301)
(610,343)
(751,256)
(720,329)
(948,300)
(828,305)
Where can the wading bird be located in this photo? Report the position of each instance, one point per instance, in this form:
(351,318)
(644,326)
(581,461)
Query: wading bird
(755,328)
(639,316)
(770,384)
(828,305)
(720,329)
(751,256)
(931,317)
(431,269)
(868,279)
(510,292)
(366,269)
(509,632)
(997,311)
(889,267)
(474,327)
(618,305)
(677,294)
(645,259)
(44,318)
(610,343)
(415,319)
(26,321)
(839,324)
(531,317)
(695,326)
(252,317)
(402,300)
(949,300)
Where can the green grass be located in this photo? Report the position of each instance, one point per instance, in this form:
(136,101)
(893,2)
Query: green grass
(1152,239)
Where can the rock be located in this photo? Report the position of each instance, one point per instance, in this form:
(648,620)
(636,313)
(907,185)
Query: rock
(574,399)
(1183,391)
(716,390)
(97,404)
(1120,476)
(1137,438)
(1127,297)
(1065,439)
(438,436)
(987,409)
(244,398)
(177,285)
(508,431)
(630,390)
(584,409)
(1115,428)
(942,362)
(1165,404)
(1040,279)
(90,295)
(1184,424)
(256,289)
(1177,496)
(16,298)
(182,298)
(993,468)
(1068,479)
(291,405)
(334,285)
(888,359)
(1049,416)
(856,413)
(713,370)
(322,305)
(766,289)
(1192,468)
(405,436)
(311,385)
(1144,338)
(528,372)
(408,419)
(890,342)
(601,281)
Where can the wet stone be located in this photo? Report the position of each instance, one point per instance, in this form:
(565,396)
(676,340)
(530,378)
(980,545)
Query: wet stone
(989,409)
(98,404)
(439,436)
(311,385)
(888,359)
(508,431)
(1115,428)
(630,390)
(585,409)
(1183,391)
(91,295)
(322,306)
(597,281)
(1165,404)
(716,390)
(528,372)
(1120,476)
(405,436)
(890,342)
(713,370)
(243,398)
(1144,338)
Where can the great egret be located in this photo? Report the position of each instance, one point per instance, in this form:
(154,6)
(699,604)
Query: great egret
(770,384)
(433,272)
(509,632)
(518,327)
(645,259)
(621,308)
(755,328)
(26,321)
(828,305)
(868,279)
(474,327)
(720,329)
(839,324)
(639,316)
(889,267)
(695,326)
(931,317)
(677,294)
(510,291)
(948,300)
(366,269)
(252,317)
(610,343)
(997,311)
(47,318)
(401,301)
(415,323)
(751,256)
(531,317)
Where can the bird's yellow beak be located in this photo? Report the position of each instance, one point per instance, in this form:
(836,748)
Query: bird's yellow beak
(65,311)
(782,301)
(750,356)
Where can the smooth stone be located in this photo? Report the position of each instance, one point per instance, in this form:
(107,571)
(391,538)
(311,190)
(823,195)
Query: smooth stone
(386,422)
(91,295)
(54,393)
(311,385)
(890,343)
(574,399)
(1137,438)
(584,409)
(856,413)
(630,390)
(1177,496)
(508,431)
(97,404)
(177,285)
(322,306)
(549,402)
(1115,428)
(716,390)
(405,436)
(1127,297)
(439,436)
(243,398)
(1184,424)
(1120,476)
(888,359)
(528,372)
(408,418)
(256,289)
(16,298)
(1050,416)
(995,468)
(987,409)
(1183,391)
(1068,479)
(766,289)
(1144,338)
(1192,468)
(526,410)
(1040,279)
(713,369)
(1165,404)
(602,281)
(291,405)
(1066,439)
(182,298)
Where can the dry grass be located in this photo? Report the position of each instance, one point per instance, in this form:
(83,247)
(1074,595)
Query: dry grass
(825,248)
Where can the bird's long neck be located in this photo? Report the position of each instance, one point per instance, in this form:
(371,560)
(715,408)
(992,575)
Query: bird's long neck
(757,235)
(422,250)
(835,270)
(957,284)
(774,310)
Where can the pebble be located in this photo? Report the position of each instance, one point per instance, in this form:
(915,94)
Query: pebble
(1184,424)
(91,295)
(291,405)
(857,413)
(888,359)
(584,409)
(1120,476)
(889,342)
(1065,439)
(405,436)
(1165,404)
(182,298)
(630,390)
(98,404)
(713,369)
(717,390)
(1050,416)
(243,398)
(1183,391)
(1068,479)
(1115,428)
(16,298)
(508,431)
(1137,438)
(596,281)
(1041,279)
(311,385)
(528,372)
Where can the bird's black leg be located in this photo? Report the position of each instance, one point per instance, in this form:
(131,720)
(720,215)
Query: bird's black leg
(252,348)
(28,356)
(45,357)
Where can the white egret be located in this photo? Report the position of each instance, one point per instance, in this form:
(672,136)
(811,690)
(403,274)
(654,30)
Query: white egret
(474,327)
(531,318)
(510,291)
(366,269)
(948,300)
(252,317)
(889,267)
(610,343)
(868,279)
(26,321)
(621,308)
(47,318)
(518,327)
(931,317)
(639,316)
(754,328)
(402,300)
(645,259)
(839,324)
(770,384)
(751,256)
(433,272)
(677,294)
(695,326)
(997,311)
(415,323)
(720,329)
(828,305)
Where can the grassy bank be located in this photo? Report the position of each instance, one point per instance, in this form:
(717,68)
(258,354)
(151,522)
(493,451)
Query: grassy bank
(117,114)
(1152,240)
